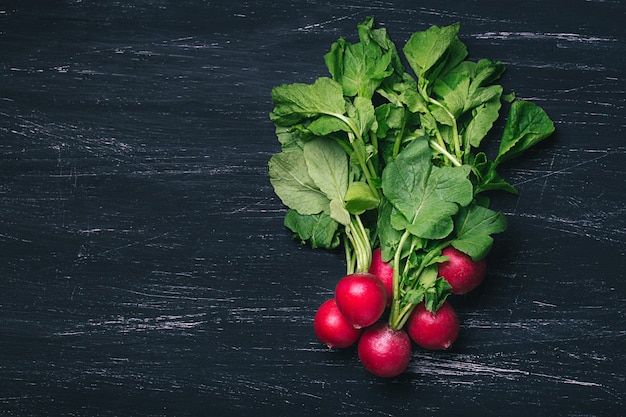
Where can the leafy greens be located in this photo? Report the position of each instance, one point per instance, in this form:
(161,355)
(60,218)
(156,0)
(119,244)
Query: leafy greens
(382,155)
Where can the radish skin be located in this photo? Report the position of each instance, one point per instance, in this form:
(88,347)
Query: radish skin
(383,351)
(332,328)
(462,272)
(384,272)
(433,331)
(361,298)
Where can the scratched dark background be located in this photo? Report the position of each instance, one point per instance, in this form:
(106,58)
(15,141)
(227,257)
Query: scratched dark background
(144,267)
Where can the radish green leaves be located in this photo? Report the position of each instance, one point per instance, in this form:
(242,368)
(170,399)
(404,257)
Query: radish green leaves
(425,197)
(377,154)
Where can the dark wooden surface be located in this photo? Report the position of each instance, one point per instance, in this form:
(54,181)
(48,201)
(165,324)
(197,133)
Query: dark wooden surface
(144,267)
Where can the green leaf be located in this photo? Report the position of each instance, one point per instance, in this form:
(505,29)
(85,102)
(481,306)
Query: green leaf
(363,116)
(359,198)
(474,226)
(414,101)
(388,117)
(429,124)
(424,195)
(456,53)
(509,98)
(334,59)
(482,95)
(426,48)
(327,165)
(325,125)
(526,125)
(366,67)
(428,277)
(488,178)
(481,74)
(388,236)
(288,137)
(414,295)
(360,67)
(429,288)
(318,230)
(486,71)
(454,92)
(296,102)
(339,213)
(483,118)
(437,260)
(436,295)
(367,34)
(293,185)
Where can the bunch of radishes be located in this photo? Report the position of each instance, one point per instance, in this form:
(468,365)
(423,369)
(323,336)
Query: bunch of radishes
(361,299)
(383,156)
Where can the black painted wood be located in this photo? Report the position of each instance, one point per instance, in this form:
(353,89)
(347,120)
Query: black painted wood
(145,270)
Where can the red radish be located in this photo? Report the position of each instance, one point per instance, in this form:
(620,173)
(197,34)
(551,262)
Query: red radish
(361,298)
(461,271)
(434,331)
(383,351)
(332,328)
(384,272)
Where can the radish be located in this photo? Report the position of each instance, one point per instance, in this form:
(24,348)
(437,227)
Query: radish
(461,271)
(384,272)
(361,297)
(332,328)
(434,331)
(383,351)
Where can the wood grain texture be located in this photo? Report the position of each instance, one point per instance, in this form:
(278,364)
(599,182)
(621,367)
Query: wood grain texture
(145,269)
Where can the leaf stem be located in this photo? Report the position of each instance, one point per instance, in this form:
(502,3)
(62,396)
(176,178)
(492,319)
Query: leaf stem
(400,313)
(367,168)
(445,153)
(403,316)
(455,129)
(350,261)
(395,304)
(361,259)
(399,136)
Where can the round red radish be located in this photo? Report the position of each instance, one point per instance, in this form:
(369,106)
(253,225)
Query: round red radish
(361,298)
(384,272)
(461,271)
(332,328)
(384,352)
(434,331)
